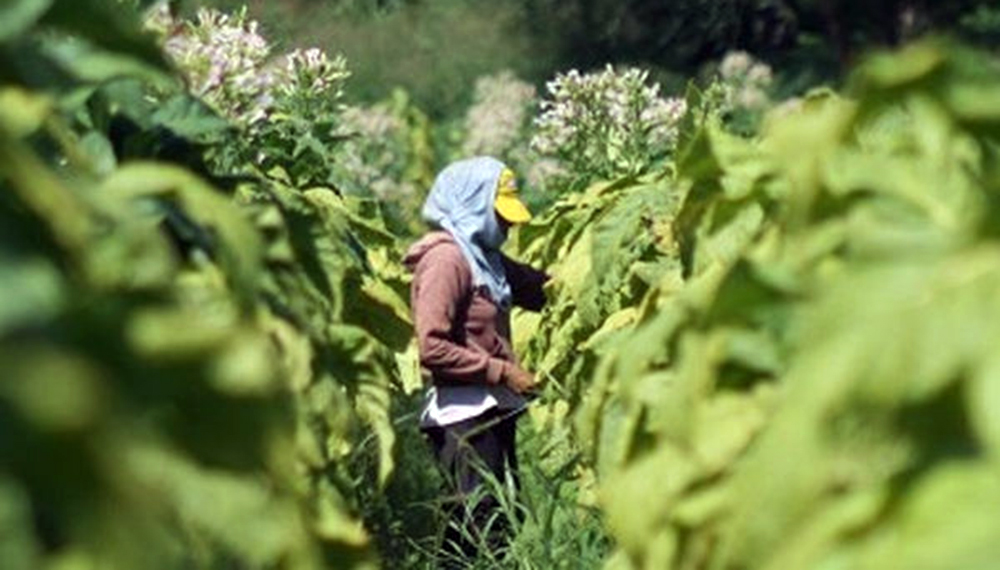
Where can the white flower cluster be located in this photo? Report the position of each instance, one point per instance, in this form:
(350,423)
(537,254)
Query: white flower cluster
(374,158)
(745,81)
(607,123)
(499,114)
(222,58)
(312,71)
(227,63)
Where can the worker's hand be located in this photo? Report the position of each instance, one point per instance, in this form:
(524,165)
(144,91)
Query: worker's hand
(519,380)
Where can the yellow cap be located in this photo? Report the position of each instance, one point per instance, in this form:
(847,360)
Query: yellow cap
(507,204)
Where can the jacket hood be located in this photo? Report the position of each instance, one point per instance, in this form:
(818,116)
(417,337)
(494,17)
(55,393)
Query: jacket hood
(462,202)
(422,246)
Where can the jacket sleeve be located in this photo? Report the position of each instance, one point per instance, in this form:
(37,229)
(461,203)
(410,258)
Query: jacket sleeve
(526,284)
(441,286)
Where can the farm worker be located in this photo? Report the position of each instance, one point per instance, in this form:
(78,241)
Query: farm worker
(463,290)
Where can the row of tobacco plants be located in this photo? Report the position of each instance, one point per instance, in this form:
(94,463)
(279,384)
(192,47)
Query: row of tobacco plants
(199,331)
(779,351)
(202,321)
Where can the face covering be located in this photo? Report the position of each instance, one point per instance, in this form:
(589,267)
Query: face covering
(461,202)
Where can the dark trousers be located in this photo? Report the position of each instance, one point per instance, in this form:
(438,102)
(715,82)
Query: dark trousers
(469,453)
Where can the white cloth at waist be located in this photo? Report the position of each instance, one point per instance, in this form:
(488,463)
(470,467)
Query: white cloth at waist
(449,404)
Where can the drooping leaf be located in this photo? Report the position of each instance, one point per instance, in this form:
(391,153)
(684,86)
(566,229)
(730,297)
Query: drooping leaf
(17,16)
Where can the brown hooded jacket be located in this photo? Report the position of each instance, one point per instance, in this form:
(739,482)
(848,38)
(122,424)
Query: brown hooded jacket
(463,336)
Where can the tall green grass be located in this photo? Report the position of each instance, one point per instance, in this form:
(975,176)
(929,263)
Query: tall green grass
(551,526)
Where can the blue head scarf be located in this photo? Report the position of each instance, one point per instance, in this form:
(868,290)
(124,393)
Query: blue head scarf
(461,203)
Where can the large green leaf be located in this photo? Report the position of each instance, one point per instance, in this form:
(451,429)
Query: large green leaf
(108,24)
(22,113)
(240,253)
(18,16)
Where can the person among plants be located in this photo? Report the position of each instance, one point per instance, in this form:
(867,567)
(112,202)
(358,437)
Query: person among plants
(462,293)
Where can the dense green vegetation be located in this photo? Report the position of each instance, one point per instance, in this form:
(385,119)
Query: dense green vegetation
(777,354)
(769,342)
(195,366)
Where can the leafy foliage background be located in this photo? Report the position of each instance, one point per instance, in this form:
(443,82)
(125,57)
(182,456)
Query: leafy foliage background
(788,365)
(192,351)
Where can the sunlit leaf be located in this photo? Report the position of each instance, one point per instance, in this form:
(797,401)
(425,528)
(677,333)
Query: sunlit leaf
(17,16)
